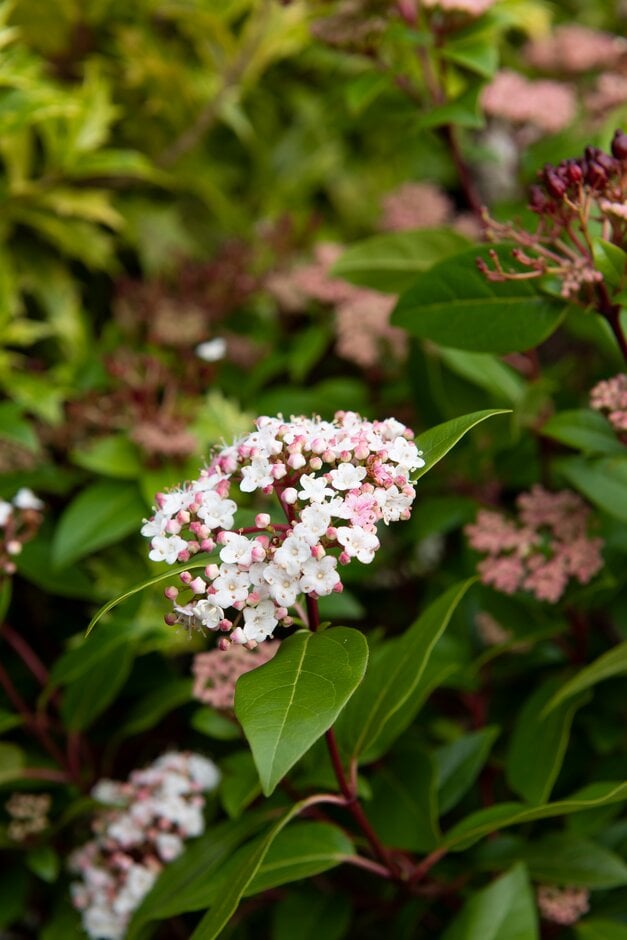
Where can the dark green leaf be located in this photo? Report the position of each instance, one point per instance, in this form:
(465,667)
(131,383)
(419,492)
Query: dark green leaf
(436,442)
(89,695)
(463,111)
(12,760)
(285,705)
(149,710)
(453,304)
(584,430)
(487,372)
(309,915)
(44,862)
(505,910)
(391,263)
(598,929)
(538,744)
(566,859)
(603,482)
(403,809)
(459,764)
(99,516)
(210,722)
(114,456)
(240,783)
(478,53)
(302,850)
(610,664)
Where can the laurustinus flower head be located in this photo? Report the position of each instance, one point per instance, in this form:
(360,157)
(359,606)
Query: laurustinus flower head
(331,482)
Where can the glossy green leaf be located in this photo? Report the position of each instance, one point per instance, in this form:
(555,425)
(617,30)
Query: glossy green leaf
(14,427)
(240,783)
(302,850)
(599,929)
(392,262)
(44,862)
(611,261)
(99,516)
(477,53)
(114,456)
(309,915)
(285,705)
(436,442)
(503,815)
(453,304)
(393,676)
(149,710)
(487,372)
(566,859)
(12,760)
(505,910)
(403,808)
(215,725)
(237,875)
(538,744)
(89,695)
(584,430)
(602,481)
(610,664)
(463,111)
(459,764)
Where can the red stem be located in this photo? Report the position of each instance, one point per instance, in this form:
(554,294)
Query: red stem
(25,653)
(29,720)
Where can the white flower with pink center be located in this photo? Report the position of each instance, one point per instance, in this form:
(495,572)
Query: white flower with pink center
(231,586)
(256,475)
(314,489)
(167,548)
(358,543)
(259,621)
(216,512)
(347,476)
(238,550)
(319,576)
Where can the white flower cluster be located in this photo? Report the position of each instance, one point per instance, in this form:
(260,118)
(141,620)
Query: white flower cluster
(334,481)
(149,818)
(19,520)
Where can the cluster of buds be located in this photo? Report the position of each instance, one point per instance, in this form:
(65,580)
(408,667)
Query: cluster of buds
(563,906)
(570,200)
(142,827)
(19,521)
(216,672)
(332,480)
(29,814)
(541,550)
(610,397)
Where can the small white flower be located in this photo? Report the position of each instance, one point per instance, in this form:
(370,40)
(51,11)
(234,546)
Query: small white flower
(231,586)
(257,475)
(5,512)
(203,771)
(169,846)
(292,553)
(259,621)
(216,512)
(319,575)
(317,518)
(208,614)
(167,548)
(347,476)
(405,454)
(358,543)
(26,499)
(155,525)
(213,350)
(284,587)
(237,549)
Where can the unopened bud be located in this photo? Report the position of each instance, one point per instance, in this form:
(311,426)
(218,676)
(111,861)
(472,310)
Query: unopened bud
(262,520)
(290,495)
(619,145)
(171,592)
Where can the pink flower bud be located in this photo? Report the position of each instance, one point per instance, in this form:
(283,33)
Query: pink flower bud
(287,621)
(171,592)
(207,545)
(344,558)
(262,520)
(224,643)
(281,613)
(331,532)
(238,636)
(338,587)
(278,471)
(184,556)
(173,527)
(14,547)
(315,463)
(253,598)
(290,495)
(318,551)
(198,586)
(212,571)
(225,625)
(170,619)
(258,552)
(185,577)
(182,516)
(221,538)
(296,461)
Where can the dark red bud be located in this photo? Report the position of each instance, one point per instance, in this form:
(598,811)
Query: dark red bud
(537,200)
(619,145)
(596,177)
(553,182)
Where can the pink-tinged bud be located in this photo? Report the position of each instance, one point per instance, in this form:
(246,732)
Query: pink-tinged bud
(263,540)
(185,577)
(280,612)
(239,605)
(287,621)
(183,516)
(171,593)
(400,480)
(193,548)
(362,452)
(195,528)
(268,490)
(160,500)
(344,558)
(207,545)
(331,532)
(295,447)
(170,619)
(317,445)
(221,537)
(278,471)
(258,552)
(198,586)
(254,597)
(315,463)
(346,456)
(328,456)
(290,495)
(225,625)
(14,547)
(296,461)
(223,643)
(212,571)
(238,636)
(317,551)
(262,520)
(338,587)
(222,489)
(172,527)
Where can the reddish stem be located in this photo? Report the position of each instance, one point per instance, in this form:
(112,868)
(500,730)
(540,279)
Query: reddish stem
(426,865)
(25,653)
(29,720)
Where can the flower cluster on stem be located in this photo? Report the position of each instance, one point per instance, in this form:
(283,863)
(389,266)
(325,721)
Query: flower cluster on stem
(19,521)
(541,550)
(610,397)
(332,480)
(143,827)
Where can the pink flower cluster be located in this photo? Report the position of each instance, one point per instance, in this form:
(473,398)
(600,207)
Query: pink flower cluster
(562,905)
(547,105)
(144,827)
(334,481)
(541,550)
(575,48)
(216,672)
(469,7)
(610,397)
(423,205)
(19,521)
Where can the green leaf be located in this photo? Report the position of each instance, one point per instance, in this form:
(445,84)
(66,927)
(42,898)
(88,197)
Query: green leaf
(459,764)
(611,261)
(436,442)
(89,695)
(477,53)
(114,456)
(240,783)
(302,850)
(503,815)
(538,744)
(391,263)
(237,875)
(453,304)
(11,762)
(14,427)
(87,654)
(584,430)
(190,882)
(149,710)
(309,915)
(610,664)
(285,705)
(394,675)
(403,809)
(463,111)
(505,910)
(598,929)
(99,516)
(487,372)
(603,482)
(14,886)
(210,722)
(44,862)
(566,859)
